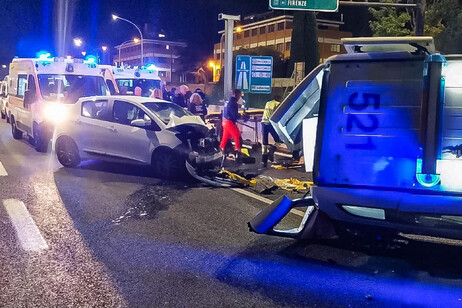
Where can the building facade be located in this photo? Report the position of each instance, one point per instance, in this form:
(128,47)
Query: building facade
(274,30)
(165,55)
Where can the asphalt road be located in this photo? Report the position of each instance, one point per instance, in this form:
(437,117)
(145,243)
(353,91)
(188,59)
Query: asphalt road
(117,237)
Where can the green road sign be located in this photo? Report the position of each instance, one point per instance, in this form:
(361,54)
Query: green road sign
(304,5)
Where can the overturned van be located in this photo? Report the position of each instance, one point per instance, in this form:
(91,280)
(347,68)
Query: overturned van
(388,145)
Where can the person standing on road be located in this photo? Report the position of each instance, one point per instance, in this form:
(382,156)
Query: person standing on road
(230,117)
(165,93)
(138,91)
(267,128)
(157,93)
(196,106)
(181,98)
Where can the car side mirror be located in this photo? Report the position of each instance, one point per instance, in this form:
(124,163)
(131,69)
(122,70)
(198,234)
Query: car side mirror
(140,123)
(29,97)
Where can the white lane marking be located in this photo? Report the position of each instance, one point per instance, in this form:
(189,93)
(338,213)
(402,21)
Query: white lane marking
(29,235)
(265,200)
(2,170)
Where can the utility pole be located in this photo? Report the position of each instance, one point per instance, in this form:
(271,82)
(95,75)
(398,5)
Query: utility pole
(228,67)
(420,17)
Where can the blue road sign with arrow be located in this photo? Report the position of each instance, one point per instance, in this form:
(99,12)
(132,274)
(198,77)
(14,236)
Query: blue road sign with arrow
(254,74)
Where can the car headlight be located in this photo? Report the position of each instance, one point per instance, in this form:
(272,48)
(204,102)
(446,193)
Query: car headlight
(55,113)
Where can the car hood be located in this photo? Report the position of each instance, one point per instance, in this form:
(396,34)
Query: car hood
(187,124)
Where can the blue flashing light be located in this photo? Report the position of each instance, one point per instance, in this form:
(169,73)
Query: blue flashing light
(426,180)
(91,59)
(43,55)
(151,67)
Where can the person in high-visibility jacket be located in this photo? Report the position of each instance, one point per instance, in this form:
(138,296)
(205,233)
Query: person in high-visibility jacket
(267,128)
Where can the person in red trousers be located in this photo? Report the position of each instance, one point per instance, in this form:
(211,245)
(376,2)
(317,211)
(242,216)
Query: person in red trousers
(230,117)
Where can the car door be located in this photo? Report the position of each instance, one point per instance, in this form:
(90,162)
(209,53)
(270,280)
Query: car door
(127,141)
(92,127)
(302,103)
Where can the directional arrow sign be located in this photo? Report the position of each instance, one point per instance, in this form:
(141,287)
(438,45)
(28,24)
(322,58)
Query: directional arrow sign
(243,73)
(305,5)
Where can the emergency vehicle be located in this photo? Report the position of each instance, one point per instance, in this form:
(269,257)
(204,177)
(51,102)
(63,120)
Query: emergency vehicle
(39,87)
(124,80)
(386,146)
(4,97)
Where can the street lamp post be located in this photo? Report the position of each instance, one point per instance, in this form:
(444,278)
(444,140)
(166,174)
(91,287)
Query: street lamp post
(238,30)
(229,30)
(115,17)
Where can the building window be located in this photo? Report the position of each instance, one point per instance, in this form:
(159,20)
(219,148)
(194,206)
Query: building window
(280,26)
(289,25)
(238,36)
(288,46)
(167,47)
(280,47)
(218,56)
(263,30)
(335,47)
(254,32)
(270,28)
(246,33)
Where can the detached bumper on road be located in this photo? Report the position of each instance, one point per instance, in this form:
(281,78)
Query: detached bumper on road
(201,159)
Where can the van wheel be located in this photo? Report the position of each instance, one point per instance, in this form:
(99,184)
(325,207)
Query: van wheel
(3,115)
(67,152)
(17,134)
(40,140)
(167,164)
(7,119)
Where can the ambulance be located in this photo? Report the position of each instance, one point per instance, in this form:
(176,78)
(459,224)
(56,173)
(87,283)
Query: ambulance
(384,131)
(40,88)
(124,80)
(4,98)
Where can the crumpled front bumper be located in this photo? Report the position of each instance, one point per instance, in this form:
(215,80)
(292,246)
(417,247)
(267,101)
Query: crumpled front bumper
(205,159)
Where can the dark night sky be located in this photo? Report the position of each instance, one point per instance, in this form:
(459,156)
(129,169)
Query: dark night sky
(27,26)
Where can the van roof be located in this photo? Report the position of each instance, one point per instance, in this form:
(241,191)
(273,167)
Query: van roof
(55,66)
(389,44)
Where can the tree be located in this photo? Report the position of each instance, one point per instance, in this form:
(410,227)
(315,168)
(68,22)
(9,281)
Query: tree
(390,22)
(304,47)
(441,18)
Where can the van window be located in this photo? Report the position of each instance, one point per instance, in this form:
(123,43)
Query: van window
(22,84)
(31,83)
(71,87)
(95,109)
(111,87)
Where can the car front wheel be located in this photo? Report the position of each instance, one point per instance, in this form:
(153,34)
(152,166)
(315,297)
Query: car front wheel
(67,152)
(168,164)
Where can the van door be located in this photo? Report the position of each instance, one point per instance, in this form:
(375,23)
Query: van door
(22,114)
(302,103)
(30,109)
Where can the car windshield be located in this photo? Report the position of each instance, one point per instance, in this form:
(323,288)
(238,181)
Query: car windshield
(127,86)
(70,88)
(165,110)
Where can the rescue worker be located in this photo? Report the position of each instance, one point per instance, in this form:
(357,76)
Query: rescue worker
(230,117)
(267,128)
(181,99)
